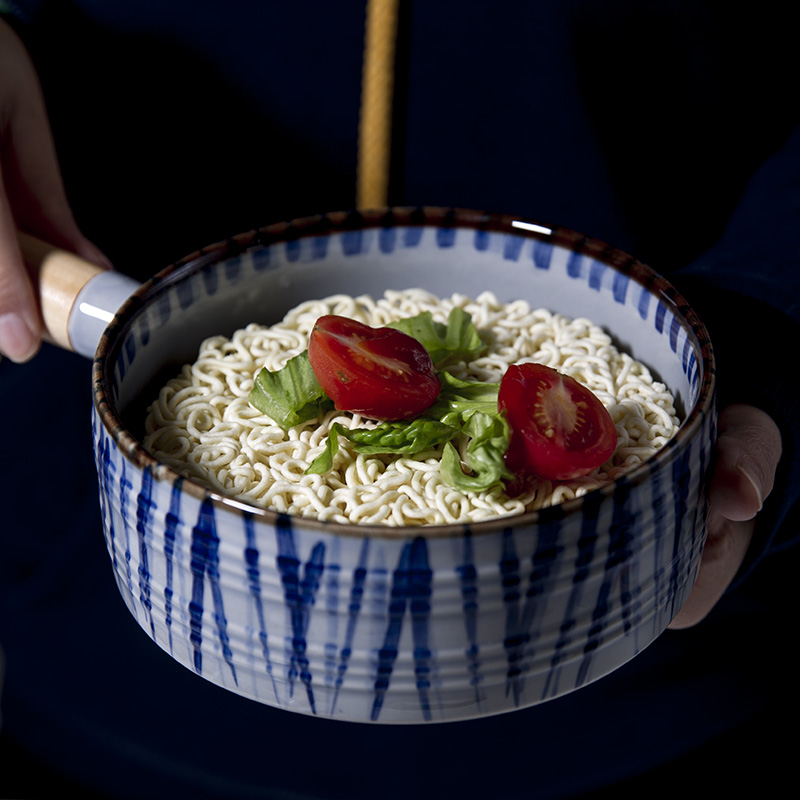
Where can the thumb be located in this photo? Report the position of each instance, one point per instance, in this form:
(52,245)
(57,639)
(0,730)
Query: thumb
(748,451)
(20,322)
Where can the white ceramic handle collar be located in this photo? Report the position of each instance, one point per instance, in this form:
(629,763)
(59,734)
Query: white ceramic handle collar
(77,298)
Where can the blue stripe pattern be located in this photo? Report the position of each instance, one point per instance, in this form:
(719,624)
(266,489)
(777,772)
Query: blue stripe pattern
(171,542)
(411,590)
(407,628)
(468,583)
(353,611)
(409,595)
(254,582)
(144,531)
(300,594)
(205,564)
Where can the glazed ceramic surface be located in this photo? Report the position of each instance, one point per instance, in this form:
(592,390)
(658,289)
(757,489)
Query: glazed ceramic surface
(392,625)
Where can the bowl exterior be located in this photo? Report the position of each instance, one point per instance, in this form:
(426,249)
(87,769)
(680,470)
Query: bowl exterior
(401,625)
(403,628)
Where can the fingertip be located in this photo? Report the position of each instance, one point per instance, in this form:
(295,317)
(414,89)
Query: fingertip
(735,489)
(748,451)
(18,341)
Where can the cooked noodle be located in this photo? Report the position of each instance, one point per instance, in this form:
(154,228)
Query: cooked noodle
(203,426)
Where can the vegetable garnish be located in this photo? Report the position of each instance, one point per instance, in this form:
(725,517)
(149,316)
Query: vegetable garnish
(457,340)
(290,395)
(535,423)
(407,438)
(559,428)
(465,411)
(381,373)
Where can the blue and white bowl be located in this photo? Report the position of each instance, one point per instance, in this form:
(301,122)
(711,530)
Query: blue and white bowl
(389,625)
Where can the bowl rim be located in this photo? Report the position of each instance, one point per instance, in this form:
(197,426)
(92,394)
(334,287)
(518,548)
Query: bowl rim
(406,216)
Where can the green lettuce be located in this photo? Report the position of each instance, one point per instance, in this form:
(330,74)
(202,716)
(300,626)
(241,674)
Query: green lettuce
(458,398)
(485,454)
(458,340)
(472,408)
(397,438)
(464,410)
(290,395)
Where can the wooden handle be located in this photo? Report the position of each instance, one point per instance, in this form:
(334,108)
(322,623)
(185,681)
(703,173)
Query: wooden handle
(61,276)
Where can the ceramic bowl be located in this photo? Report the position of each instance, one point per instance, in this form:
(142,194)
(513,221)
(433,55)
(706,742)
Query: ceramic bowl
(392,625)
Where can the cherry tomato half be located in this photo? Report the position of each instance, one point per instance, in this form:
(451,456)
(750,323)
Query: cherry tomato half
(559,429)
(381,373)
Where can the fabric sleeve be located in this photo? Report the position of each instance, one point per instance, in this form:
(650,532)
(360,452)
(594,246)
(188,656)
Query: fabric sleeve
(747,290)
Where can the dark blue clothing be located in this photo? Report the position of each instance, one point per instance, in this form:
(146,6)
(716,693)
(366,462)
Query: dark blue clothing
(667,130)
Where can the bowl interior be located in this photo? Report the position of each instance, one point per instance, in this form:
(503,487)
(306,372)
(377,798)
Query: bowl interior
(259,277)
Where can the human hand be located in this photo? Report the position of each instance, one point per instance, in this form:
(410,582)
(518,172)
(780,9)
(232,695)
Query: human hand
(748,451)
(32,197)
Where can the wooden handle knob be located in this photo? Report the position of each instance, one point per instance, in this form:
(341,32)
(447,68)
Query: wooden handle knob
(61,276)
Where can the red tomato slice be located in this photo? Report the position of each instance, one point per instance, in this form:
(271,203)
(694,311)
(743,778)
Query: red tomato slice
(381,373)
(559,429)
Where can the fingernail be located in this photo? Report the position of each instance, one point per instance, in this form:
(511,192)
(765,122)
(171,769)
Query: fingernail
(17,341)
(746,468)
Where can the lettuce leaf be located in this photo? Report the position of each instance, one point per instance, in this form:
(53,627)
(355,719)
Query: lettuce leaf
(290,395)
(458,340)
(472,407)
(463,409)
(458,398)
(488,441)
(397,438)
